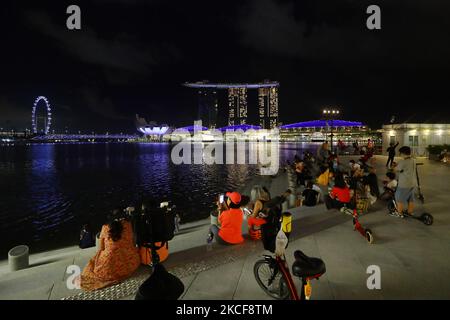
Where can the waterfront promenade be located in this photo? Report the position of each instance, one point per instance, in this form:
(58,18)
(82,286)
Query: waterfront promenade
(413,258)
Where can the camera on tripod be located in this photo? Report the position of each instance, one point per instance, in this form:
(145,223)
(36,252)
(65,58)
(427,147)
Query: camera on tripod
(154,224)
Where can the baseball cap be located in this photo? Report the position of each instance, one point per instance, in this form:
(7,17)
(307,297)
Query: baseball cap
(235,197)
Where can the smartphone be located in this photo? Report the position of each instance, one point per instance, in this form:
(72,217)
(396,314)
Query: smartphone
(221,198)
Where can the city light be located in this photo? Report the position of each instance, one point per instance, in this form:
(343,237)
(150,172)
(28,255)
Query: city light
(330,111)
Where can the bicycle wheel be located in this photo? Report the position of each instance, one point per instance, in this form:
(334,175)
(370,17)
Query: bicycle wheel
(271,279)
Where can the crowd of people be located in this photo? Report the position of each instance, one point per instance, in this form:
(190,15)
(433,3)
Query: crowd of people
(320,179)
(356,184)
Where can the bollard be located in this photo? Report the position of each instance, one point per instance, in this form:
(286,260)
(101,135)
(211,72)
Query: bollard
(18,258)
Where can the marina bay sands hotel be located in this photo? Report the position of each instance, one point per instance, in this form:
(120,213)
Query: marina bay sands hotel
(208,102)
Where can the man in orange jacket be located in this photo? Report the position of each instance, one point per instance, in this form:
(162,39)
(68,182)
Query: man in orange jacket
(230,220)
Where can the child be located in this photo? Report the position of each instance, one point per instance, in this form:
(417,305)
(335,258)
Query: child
(390,184)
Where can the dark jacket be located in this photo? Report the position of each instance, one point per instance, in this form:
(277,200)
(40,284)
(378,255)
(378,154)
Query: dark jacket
(391,149)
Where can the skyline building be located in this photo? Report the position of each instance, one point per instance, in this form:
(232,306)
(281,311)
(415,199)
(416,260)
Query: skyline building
(237,106)
(268,107)
(208,106)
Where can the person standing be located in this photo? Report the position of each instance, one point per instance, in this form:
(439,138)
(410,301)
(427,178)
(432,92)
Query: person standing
(370,146)
(323,153)
(407,182)
(391,154)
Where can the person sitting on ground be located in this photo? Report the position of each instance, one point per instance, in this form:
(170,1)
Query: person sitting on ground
(371,180)
(230,220)
(87,237)
(407,182)
(324,177)
(357,181)
(323,153)
(333,163)
(308,157)
(311,195)
(353,167)
(339,195)
(258,197)
(301,172)
(117,257)
(390,185)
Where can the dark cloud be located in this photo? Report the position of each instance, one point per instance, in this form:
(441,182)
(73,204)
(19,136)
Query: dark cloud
(336,32)
(102,106)
(13,115)
(117,53)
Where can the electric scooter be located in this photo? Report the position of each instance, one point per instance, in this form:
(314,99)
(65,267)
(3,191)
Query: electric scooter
(425,217)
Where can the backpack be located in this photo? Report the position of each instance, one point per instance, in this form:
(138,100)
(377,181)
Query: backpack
(310,197)
(269,230)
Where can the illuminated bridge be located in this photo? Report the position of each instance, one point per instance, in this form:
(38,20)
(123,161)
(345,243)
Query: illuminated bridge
(84,137)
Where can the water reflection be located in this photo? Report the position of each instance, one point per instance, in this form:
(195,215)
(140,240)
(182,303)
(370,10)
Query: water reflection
(49,190)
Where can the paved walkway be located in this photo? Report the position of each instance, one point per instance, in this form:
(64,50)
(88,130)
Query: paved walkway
(413,257)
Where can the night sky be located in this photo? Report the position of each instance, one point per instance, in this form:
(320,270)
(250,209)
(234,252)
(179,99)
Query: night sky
(132,57)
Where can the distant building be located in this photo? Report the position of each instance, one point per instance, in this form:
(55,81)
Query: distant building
(418,136)
(268,107)
(320,130)
(238,112)
(150,129)
(208,107)
(237,106)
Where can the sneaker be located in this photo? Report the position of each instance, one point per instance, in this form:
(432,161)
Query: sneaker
(396,215)
(210,238)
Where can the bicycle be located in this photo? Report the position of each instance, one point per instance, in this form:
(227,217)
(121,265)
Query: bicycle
(273,275)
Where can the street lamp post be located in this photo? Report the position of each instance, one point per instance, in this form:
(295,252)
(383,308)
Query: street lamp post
(329,115)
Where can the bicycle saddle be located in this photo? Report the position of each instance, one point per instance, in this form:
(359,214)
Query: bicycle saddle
(305,266)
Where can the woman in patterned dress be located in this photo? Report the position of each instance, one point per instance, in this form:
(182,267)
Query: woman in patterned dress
(116,259)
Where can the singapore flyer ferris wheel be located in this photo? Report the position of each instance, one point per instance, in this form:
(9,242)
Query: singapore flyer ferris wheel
(47,119)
